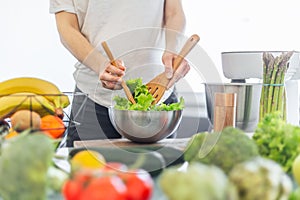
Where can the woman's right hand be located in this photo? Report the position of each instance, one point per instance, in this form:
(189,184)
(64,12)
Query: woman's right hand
(111,77)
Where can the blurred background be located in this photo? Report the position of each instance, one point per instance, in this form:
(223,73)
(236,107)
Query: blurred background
(30,43)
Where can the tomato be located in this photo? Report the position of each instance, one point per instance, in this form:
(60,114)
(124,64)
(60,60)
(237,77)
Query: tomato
(71,190)
(104,188)
(73,187)
(83,177)
(139,184)
(113,182)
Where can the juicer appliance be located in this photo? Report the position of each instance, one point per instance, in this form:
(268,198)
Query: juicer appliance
(243,71)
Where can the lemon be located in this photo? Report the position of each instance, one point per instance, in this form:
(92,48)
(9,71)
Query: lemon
(88,159)
(296,169)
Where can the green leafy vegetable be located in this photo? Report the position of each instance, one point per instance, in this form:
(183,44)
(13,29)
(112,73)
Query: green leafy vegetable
(134,83)
(24,163)
(143,99)
(278,140)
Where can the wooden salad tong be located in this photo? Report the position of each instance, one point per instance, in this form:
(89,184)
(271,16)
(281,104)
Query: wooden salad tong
(158,85)
(113,62)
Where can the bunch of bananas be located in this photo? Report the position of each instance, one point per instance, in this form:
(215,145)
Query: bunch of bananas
(31,93)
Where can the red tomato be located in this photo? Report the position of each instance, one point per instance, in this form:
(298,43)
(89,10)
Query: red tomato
(71,190)
(73,187)
(110,183)
(139,184)
(104,188)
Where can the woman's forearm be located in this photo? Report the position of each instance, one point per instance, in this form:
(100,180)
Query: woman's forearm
(174,23)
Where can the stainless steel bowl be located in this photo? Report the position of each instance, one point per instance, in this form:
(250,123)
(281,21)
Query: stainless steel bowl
(247,102)
(145,126)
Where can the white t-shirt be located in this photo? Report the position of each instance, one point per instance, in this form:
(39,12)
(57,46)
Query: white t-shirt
(131,28)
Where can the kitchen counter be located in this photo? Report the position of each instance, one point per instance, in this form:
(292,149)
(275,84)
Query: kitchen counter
(177,144)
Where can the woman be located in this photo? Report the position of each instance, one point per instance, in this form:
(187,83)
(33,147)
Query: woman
(135,31)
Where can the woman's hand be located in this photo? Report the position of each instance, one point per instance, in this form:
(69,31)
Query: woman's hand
(111,77)
(182,70)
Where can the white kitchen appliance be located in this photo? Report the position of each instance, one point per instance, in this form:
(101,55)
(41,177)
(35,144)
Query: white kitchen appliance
(247,67)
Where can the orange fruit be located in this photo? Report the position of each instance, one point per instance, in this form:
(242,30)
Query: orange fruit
(53,126)
(88,159)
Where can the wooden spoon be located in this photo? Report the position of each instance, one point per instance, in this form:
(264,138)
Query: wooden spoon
(113,62)
(158,85)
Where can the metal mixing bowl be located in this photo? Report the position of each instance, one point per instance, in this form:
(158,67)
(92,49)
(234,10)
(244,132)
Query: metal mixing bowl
(247,102)
(145,126)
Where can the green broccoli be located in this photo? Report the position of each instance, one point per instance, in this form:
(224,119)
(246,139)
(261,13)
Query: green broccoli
(24,163)
(232,147)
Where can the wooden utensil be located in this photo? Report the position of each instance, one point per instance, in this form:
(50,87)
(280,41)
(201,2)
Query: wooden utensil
(113,62)
(158,85)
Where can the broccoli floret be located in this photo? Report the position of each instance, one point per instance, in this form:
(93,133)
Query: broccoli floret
(24,162)
(231,147)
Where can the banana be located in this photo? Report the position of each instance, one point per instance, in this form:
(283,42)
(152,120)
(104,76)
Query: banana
(37,86)
(9,104)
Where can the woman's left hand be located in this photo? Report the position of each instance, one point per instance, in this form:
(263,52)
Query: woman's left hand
(168,59)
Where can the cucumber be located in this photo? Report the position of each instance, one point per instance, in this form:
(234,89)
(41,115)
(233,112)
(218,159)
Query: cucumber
(151,161)
(172,156)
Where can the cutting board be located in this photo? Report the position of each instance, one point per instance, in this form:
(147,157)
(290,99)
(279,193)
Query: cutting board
(177,143)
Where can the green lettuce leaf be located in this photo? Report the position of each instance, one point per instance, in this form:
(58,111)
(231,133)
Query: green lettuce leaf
(143,99)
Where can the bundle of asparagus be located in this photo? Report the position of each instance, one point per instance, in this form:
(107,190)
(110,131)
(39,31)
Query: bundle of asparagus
(273,96)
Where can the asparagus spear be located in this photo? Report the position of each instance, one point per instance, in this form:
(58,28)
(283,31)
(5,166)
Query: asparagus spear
(268,60)
(279,81)
(284,104)
(262,97)
(278,59)
(282,95)
(277,95)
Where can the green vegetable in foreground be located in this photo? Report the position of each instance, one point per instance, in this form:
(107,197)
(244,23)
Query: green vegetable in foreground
(278,140)
(233,147)
(260,178)
(198,181)
(295,195)
(143,99)
(24,163)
